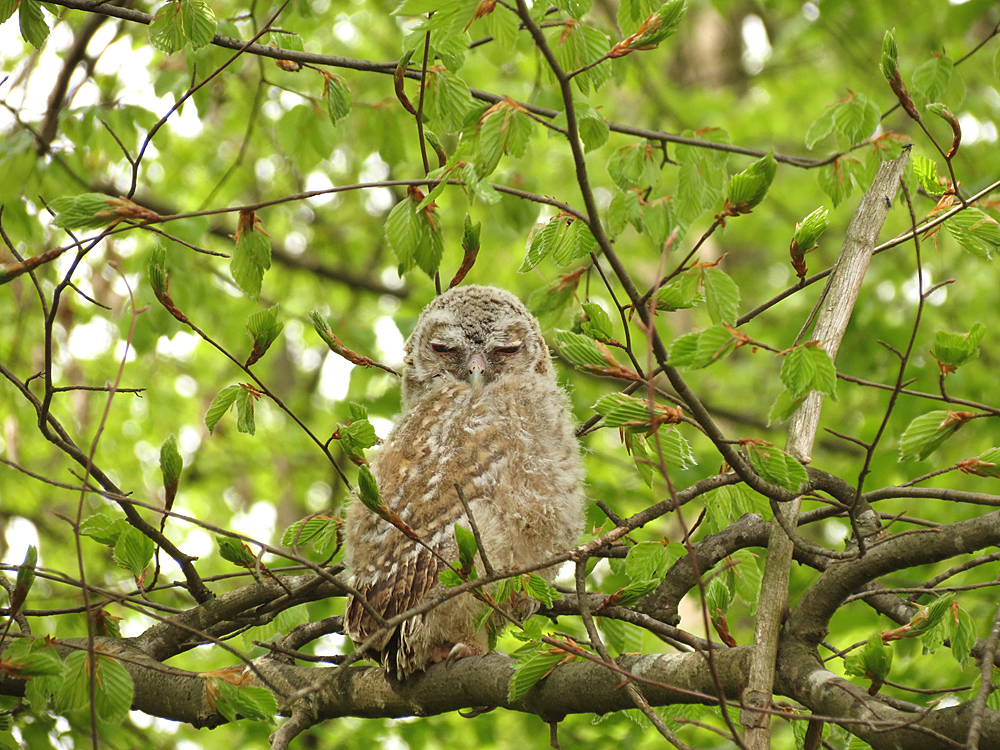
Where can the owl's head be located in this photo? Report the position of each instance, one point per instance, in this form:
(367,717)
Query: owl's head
(475,334)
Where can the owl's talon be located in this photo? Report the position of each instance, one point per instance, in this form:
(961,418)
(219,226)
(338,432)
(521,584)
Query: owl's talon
(458,651)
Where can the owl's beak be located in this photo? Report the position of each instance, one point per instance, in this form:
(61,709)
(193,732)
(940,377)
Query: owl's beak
(477,370)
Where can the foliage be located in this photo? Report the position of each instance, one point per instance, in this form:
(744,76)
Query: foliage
(181,177)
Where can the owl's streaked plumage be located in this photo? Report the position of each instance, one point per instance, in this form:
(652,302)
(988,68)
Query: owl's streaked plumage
(482,410)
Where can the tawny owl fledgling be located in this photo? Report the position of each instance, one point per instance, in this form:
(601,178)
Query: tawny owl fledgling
(482,410)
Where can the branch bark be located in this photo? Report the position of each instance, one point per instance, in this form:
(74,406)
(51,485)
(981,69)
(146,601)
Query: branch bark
(837,304)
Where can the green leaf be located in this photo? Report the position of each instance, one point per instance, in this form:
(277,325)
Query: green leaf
(890,56)
(839,178)
(166,31)
(467,547)
(33,27)
(578,44)
(538,588)
(447,101)
(855,119)
(986,465)
(635,166)
(809,230)
(503,27)
(419,7)
(103,529)
(598,323)
(872,661)
(73,692)
(927,175)
(245,422)
(748,188)
(403,233)
(718,596)
(594,129)
(963,636)
(927,432)
(368,490)
(235,551)
(651,560)
(357,436)
(504,129)
(31,657)
(808,368)
(264,328)
(450,579)
(86,211)
(747,577)
(722,296)
(620,636)
(198,22)
(676,450)
(551,300)
(625,209)
(574,242)
(220,405)
(254,703)
(578,349)
(635,591)
(287,41)
(528,670)
(171,462)
(415,235)
(820,129)
(251,258)
(337,97)
(620,410)
(684,349)
(244,412)
(932,77)
(542,241)
(321,532)
(157,270)
(976,231)
(957,349)
(784,407)
(636,445)
(7,8)
(133,551)
(776,466)
(713,344)
(114,690)
(660,25)
(682,292)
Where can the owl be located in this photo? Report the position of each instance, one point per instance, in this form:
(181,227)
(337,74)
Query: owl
(482,412)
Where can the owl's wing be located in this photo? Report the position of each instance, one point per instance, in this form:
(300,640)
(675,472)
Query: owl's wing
(390,592)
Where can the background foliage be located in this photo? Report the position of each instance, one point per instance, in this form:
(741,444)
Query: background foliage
(300,186)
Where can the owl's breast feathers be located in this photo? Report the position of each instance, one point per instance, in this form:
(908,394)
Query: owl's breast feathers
(510,446)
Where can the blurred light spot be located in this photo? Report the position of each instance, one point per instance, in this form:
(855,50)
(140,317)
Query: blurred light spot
(318,496)
(974,130)
(92,339)
(886,291)
(335,377)
(186,386)
(378,201)
(258,523)
(319,181)
(345,32)
(756,46)
(181,346)
(20,534)
(810,11)
(389,340)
